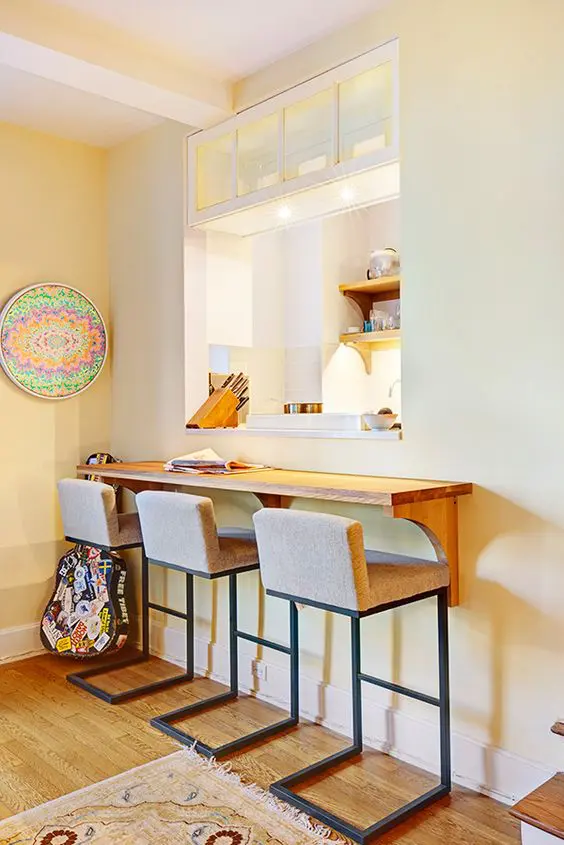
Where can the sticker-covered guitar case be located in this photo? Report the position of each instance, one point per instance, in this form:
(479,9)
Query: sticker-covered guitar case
(87,614)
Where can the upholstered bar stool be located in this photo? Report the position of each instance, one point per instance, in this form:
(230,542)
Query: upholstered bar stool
(90,518)
(179,532)
(320,560)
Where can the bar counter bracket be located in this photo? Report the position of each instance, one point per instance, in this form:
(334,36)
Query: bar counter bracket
(438,519)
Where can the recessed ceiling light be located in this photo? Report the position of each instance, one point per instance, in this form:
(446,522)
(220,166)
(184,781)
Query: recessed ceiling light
(347,194)
(284,212)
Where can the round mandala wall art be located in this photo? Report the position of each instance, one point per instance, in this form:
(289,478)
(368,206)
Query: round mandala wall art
(53,341)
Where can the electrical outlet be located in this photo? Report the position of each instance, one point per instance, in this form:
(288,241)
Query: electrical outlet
(258,670)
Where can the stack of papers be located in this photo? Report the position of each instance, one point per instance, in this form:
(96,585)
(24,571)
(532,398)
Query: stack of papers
(208,462)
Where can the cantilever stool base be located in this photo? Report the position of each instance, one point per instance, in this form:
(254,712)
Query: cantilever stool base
(167,722)
(90,518)
(320,560)
(284,788)
(180,532)
(81,679)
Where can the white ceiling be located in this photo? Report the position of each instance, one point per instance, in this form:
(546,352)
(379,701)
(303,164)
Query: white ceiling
(101,71)
(29,100)
(230,38)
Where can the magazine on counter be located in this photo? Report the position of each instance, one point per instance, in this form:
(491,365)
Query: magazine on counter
(208,462)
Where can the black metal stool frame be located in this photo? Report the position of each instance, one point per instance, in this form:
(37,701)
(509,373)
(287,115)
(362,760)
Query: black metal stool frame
(283,788)
(165,723)
(80,679)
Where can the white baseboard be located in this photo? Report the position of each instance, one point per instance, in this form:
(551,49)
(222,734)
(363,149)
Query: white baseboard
(477,766)
(19,643)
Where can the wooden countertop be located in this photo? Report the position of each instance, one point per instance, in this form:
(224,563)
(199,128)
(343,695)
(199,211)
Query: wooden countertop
(359,489)
(431,505)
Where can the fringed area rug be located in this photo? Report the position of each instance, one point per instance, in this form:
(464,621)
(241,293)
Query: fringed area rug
(179,799)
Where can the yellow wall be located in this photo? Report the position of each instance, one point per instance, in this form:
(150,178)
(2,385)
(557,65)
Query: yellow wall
(482,122)
(52,227)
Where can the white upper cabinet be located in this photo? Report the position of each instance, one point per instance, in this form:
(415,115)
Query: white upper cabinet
(366,113)
(309,135)
(258,158)
(214,171)
(303,153)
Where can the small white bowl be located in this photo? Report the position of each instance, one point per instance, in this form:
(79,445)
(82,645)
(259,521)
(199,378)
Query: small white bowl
(379,422)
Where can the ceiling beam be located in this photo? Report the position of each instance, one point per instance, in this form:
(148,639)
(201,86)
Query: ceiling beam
(70,48)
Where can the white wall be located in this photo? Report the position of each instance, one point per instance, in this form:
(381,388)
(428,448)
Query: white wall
(482,118)
(52,227)
(146,249)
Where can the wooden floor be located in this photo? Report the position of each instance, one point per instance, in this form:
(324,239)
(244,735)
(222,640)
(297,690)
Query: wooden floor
(55,738)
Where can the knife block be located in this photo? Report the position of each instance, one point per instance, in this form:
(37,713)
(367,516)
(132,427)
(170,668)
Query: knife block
(218,411)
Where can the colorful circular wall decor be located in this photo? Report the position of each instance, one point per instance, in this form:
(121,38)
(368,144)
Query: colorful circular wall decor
(53,341)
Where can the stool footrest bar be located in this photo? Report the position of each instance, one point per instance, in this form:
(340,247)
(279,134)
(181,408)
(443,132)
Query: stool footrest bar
(242,635)
(168,610)
(410,693)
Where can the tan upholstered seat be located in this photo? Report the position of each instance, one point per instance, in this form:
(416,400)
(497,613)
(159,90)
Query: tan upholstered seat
(180,529)
(89,513)
(237,549)
(321,558)
(394,577)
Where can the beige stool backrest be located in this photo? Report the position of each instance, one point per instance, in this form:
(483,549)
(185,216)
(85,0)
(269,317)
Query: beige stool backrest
(89,511)
(314,556)
(179,529)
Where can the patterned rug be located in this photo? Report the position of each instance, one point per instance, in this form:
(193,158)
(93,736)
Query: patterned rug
(179,799)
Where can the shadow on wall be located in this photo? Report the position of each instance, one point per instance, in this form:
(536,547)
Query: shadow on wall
(512,577)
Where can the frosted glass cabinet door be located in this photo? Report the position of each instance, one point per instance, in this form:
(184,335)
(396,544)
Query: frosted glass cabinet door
(214,168)
(257,155)
(308,135)
(365,112)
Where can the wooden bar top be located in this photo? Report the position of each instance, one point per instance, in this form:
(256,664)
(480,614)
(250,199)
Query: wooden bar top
(431,505)
(359,489)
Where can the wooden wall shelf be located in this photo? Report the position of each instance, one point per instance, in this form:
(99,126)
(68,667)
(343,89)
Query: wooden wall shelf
(365,342)
(372,290)
(371,337)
